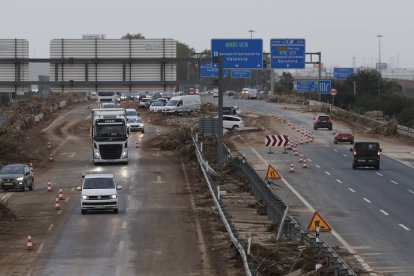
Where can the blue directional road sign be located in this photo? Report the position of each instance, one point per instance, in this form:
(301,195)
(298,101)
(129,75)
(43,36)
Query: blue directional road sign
(207,71)
(324,86)
(238,53)
(303,86)
(342,73)
(241,74)
(287,53)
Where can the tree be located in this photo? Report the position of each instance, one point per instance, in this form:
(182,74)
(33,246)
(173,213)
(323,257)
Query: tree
(133,36)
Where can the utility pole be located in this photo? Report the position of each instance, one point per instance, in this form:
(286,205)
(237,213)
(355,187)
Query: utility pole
(379,64)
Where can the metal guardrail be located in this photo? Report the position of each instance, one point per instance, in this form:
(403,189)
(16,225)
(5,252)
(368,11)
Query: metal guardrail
(406,131)
(275,210)
(248,266)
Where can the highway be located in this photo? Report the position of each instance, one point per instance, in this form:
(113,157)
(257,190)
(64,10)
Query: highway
(370,211)
(156,231)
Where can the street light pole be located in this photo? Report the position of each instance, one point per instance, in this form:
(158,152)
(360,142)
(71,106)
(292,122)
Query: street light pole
(251,33)
(379,64)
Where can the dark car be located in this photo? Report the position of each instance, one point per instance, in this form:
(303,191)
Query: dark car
(344,135)
(322,121)
(366,154)
(16,176)
(229,110)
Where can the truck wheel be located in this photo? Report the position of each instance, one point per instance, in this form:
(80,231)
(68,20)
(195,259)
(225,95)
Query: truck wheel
(354,167)
(23,189)
(83,211)
(116,211)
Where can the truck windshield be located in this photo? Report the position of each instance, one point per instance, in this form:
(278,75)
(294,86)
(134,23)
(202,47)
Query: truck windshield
(110,131)
(99,183)
(171,103)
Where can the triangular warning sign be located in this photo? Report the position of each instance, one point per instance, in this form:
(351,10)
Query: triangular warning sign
(272,174)
(317,220)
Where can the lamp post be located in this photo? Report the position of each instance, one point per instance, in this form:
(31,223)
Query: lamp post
(379,64)
(251,33)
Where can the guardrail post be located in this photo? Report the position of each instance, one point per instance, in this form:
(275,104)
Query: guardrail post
(201,147)
(282,222)
(218,192)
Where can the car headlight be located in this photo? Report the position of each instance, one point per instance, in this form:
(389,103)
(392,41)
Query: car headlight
(19,178)
(97,155)
(84,197)
(113,196)
(125,153)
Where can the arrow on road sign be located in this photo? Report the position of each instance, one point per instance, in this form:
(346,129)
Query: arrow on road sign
(278,140)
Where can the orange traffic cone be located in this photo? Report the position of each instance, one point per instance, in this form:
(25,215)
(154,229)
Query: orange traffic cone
(51,157)
(304,163)
(49,186)
(31,167)
(295,150)
(136,143)
(61,197)
(29,245)
(57,203)
(291,170)
(301,158)
(49,145)
(158,131)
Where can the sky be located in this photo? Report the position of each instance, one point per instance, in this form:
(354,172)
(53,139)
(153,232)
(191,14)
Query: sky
(345,32)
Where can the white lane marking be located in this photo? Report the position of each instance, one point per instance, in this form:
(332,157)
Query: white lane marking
(344,155)
(352,190)
(121,246)
(59,212)
(310,160)
(411,191)
(73,189)
(404,227)
(335,150)
(339,181)
(328,173)
(317,166)
(50,227)
(327,146)
(39,250)
(367,200)
(385,213)
(379,174)
(312,210)
(395,182)
(124,225)
(67,199)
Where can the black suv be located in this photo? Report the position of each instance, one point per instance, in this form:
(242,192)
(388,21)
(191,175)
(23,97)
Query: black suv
(229,110)
(366,154)
(322,121)
(16,176)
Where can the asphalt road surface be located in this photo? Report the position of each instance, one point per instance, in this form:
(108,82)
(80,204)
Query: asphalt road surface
(155,231)
(370,211)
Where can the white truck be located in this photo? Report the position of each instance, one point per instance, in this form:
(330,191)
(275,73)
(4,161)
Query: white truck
(109,133)
(182,104)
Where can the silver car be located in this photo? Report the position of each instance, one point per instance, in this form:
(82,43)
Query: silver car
(135,124)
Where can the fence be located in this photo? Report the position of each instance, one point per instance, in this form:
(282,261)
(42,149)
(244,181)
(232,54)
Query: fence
(406,131)
(275,210)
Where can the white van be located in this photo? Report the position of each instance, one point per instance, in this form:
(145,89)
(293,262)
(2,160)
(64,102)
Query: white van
(249,93)
(182,104)
(99,192)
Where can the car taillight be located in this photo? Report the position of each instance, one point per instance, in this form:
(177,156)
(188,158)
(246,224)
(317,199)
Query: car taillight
(318,121)
(379,153)
(354,152)
(329,121)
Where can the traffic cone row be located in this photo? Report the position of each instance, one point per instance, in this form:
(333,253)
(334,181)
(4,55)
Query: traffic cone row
(49,186)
